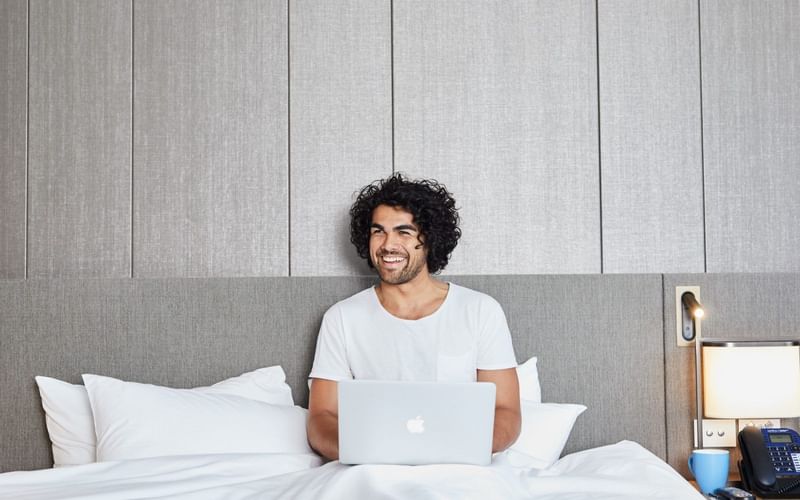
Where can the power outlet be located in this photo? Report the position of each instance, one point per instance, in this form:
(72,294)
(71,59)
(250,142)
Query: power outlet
(760,423)
(717,433)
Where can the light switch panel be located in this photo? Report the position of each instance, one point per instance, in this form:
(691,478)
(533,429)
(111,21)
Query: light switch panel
(717,433)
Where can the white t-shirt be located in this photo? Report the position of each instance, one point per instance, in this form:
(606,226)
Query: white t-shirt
(360,339)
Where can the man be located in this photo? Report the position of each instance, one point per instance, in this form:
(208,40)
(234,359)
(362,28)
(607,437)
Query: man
(410,326)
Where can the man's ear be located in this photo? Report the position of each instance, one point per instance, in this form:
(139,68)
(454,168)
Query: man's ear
(421,239)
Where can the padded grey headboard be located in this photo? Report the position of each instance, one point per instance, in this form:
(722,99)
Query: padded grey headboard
(593,348)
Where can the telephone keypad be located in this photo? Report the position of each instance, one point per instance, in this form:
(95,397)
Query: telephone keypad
(783,447)
(784,460)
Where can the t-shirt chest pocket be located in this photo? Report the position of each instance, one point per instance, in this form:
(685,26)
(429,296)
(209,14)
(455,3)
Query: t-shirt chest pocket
(456,368)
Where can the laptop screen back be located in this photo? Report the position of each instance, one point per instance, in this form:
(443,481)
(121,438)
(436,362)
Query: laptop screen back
(414,423)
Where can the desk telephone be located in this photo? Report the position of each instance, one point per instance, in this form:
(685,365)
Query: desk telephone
(770,465)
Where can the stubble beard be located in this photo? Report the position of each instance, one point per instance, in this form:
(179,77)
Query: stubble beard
(410,271)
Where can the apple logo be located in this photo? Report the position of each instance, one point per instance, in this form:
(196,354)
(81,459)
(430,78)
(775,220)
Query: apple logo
(416,425)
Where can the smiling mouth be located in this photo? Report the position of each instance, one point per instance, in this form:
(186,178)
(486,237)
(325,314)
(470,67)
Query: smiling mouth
(392,261)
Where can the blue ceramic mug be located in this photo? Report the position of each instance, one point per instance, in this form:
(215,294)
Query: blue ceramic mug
(710,469)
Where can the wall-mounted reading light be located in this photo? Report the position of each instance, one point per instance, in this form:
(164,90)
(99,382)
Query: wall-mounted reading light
(688,313)
(692,311)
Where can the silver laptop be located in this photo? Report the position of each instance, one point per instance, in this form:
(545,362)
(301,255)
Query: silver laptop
(415,423)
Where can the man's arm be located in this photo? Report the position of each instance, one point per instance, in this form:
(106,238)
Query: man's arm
(323,418)
(507,417)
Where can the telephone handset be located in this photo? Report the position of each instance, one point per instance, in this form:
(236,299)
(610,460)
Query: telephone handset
(770,463)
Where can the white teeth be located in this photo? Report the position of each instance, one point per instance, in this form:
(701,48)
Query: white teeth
(392,259)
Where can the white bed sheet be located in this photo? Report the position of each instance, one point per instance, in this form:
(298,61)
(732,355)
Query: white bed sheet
(621,471)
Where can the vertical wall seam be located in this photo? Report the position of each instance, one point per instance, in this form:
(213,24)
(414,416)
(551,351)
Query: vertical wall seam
(27,138)
(702,137)
(133,124)
(391,62)
(599,141)
(664,338)
(289,131)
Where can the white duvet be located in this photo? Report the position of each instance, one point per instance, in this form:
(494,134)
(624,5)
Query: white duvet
(622,471)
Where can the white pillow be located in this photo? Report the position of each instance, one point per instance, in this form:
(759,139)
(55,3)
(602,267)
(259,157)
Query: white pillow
(545,426)
(545,430)
(70,423)
(135,420)
(529,389)
(265,384)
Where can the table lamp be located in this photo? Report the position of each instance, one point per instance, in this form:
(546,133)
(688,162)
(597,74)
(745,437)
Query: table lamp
(751,379)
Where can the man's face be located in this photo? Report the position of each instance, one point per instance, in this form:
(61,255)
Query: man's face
(395,248)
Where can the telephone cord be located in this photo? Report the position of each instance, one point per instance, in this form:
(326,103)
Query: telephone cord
(788,487)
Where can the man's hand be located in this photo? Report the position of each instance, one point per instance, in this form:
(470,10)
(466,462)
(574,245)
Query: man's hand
(506,409)
(323,418)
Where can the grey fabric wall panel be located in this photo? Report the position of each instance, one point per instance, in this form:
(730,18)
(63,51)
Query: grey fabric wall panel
(598,340)
(13,136)
(751,105)
(187,332)
(498,100)
(738,306)
(341,124)
(210,138)
(652,173)
(179,332)
(79,170)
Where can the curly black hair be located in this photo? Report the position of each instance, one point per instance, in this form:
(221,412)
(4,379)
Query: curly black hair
(431,205)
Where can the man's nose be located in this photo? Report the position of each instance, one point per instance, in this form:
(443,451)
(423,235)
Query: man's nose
(390,241)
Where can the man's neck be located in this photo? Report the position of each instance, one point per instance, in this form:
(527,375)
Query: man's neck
(415,299)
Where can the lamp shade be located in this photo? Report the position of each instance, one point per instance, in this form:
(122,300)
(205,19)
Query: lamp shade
(751,379)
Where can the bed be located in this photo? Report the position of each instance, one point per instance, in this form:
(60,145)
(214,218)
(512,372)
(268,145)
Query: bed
(196,389)
(621,471)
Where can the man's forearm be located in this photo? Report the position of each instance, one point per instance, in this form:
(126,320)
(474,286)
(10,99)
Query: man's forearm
(506,428)
(323,435)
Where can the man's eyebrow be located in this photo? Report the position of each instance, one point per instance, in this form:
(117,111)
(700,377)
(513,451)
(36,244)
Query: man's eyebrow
(401,227)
